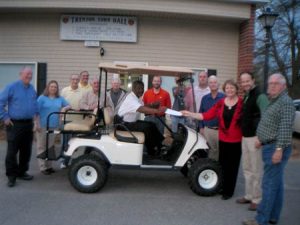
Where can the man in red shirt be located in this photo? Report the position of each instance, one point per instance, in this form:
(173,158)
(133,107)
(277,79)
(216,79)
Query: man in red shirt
(157,97)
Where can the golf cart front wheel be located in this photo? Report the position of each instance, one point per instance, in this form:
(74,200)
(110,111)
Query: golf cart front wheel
(88,174)
(205,177)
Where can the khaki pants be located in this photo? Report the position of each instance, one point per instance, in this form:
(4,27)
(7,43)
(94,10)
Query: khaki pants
(252,168)
(41,147)
(212,138)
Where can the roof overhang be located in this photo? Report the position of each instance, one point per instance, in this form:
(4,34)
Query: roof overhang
(237,10)
(150,70)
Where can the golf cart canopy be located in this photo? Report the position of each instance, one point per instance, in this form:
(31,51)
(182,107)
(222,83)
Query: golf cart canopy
(150,70)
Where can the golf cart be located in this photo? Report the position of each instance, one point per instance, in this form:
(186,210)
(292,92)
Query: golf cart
(98,144)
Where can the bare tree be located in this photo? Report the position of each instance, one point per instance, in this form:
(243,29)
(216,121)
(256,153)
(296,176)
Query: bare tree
(285,44)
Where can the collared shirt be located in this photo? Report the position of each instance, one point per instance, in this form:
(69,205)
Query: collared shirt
(72,96)
(20,100)
(49,105)
(162,96)
(89,101)
(277,121)
(129,107)
(262,101)
(85,88)
(199,93)
(110,102)
(207,102)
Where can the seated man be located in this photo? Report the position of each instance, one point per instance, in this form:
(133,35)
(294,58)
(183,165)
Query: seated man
(130,110)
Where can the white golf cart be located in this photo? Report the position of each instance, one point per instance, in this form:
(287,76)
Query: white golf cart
(97,144)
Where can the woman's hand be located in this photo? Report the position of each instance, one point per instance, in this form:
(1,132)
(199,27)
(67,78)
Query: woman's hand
(186,113)
(197,116)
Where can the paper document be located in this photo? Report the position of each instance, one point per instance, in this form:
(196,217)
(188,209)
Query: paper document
(173,112)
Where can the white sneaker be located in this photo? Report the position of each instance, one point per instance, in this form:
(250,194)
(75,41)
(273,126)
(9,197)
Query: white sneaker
(63,165)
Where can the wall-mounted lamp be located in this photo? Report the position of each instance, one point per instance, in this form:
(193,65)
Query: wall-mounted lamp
(102,51)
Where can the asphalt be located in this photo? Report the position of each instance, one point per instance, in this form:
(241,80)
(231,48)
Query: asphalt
(130,197)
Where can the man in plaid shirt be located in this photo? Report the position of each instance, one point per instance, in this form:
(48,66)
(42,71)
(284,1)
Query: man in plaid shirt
(274,134)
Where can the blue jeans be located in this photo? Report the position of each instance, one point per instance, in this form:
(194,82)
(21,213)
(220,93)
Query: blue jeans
(175,121)
(160,126)
(272,185)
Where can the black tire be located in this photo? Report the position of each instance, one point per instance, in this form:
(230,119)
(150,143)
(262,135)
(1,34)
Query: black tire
(88,174)
(205,177)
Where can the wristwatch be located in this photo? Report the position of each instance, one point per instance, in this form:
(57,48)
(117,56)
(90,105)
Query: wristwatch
(278,149)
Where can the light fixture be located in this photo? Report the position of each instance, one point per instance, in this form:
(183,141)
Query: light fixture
(267,20)
(102,51)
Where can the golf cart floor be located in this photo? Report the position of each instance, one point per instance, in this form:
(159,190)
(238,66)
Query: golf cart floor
(156,160)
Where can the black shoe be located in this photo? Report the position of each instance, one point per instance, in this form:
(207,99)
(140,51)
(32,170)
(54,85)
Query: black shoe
(11,181)
(272,222)
(225,197)
(25,176)
(45,172)
(51,170)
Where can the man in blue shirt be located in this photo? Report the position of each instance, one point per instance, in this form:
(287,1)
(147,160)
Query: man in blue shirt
(210,128)
(18,108)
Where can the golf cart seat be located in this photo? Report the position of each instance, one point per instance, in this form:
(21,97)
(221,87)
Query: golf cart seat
(128,136)
(85,124)
(121,135)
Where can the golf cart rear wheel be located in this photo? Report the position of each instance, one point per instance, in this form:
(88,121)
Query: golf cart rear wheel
(205,177)
(88,174)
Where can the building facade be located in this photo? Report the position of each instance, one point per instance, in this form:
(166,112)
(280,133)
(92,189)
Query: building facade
(215,35)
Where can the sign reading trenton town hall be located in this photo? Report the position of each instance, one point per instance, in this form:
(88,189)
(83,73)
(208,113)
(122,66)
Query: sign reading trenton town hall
(98,28)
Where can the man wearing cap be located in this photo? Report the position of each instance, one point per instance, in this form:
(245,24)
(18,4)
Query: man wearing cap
(18,109)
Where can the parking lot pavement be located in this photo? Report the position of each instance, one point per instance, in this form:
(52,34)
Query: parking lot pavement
(130,197)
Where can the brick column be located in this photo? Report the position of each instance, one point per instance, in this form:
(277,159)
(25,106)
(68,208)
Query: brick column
(246,43)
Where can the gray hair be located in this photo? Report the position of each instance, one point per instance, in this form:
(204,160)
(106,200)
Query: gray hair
(212,77)
(116,79)
(95,78)
(280,78)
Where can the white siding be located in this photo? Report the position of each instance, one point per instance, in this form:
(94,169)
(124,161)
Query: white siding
(161,41)
(210,8)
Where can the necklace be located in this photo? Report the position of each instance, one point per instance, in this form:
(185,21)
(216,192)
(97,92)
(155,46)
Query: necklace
(230,103)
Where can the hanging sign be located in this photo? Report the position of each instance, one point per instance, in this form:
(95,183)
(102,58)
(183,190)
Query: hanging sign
(98,28)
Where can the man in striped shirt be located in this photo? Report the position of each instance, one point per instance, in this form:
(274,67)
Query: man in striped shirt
(274,134)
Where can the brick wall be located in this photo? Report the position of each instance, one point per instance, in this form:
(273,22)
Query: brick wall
(246,43)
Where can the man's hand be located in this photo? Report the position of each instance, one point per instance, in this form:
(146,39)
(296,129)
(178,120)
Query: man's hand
(162,109)
(8,122)
(257,143)
(277,156)
(155,105)
(201,131)
(37,128)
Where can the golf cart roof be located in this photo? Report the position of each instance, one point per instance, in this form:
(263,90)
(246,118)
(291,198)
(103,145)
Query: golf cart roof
(151,70)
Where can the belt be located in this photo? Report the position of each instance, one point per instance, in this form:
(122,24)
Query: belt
(268,142)
(213,128)
(22,121)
